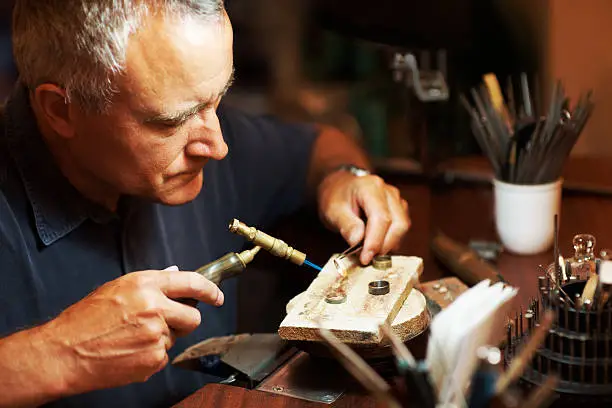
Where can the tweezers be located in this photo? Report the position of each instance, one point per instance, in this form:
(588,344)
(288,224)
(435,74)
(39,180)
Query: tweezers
(350,251)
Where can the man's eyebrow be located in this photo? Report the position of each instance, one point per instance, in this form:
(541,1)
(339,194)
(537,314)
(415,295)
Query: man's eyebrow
(177,117)
(229,83)
(182,116)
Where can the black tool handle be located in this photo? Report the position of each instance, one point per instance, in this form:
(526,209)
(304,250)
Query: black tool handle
(463,261)
(418,387)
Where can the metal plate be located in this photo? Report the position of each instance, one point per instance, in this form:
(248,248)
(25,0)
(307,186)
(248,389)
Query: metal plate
(308,379)
(258,356)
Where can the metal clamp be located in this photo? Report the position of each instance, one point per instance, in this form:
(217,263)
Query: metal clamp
(429,86)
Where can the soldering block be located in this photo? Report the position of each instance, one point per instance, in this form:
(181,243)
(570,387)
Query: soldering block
(357,319)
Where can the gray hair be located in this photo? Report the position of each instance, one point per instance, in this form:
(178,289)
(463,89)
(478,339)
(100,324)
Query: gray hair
(81,45)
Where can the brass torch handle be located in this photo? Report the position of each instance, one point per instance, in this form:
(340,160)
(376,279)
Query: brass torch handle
(227,266)
(273,245)
(223,268)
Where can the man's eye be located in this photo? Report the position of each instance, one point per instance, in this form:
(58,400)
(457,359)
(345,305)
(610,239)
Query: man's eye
(171,124)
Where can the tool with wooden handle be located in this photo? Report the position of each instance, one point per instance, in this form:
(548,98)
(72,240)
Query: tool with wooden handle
(463,261)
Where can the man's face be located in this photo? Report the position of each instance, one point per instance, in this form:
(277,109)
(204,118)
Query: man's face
(162,126)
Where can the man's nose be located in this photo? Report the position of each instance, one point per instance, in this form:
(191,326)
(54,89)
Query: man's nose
(208,140)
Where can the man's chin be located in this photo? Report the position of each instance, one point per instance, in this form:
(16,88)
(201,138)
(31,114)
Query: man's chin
(184,192)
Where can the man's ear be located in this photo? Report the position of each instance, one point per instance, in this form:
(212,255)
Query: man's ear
(51,102)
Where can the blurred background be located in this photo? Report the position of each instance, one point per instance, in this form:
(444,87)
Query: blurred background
(337,62)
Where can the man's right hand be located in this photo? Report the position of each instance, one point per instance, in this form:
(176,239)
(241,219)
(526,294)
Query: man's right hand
(120,333)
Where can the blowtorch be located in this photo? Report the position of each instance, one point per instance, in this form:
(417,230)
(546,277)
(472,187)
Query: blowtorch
(234,263)
(273,245)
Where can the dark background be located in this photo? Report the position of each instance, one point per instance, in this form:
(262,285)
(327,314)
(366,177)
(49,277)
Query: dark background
(7,69)
(344,48)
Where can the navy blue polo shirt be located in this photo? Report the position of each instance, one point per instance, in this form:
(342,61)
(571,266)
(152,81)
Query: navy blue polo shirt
(56,246)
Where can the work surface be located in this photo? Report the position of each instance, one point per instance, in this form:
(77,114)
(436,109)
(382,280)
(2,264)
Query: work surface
(460,211)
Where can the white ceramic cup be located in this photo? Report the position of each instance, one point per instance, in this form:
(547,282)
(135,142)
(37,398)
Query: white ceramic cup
(524,215)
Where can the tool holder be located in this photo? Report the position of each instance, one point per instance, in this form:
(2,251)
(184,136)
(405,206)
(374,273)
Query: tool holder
(577,348)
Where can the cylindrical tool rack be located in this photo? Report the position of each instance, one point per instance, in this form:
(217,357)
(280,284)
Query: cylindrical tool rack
(577,348)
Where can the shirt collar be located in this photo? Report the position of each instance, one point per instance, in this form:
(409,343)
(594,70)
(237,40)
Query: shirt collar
(58,207)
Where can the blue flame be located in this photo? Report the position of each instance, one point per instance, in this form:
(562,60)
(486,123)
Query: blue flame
(313,266)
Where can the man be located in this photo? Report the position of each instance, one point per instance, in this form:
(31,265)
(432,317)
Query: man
(101,188)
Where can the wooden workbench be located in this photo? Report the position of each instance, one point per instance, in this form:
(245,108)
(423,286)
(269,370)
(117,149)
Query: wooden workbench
(462,212)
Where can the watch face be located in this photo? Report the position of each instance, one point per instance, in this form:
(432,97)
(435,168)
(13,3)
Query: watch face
(357,171)
(354,170)
(360,172)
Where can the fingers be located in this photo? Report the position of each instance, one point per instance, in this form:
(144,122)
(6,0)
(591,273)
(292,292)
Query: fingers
(350,226)
(189,285)
(170,287)
(400,220)
(170,339)
(154,331)
(182,319)
(387,218)
(374,202)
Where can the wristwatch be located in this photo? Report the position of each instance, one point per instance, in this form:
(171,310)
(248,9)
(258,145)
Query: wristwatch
(354,170)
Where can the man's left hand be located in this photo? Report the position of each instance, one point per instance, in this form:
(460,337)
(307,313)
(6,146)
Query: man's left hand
(343,197)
